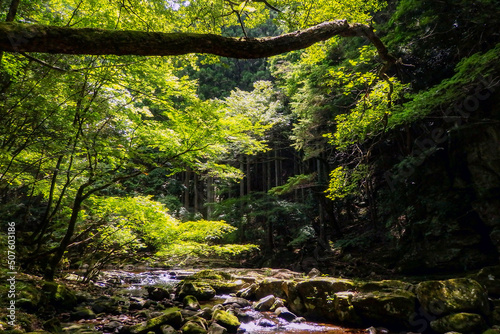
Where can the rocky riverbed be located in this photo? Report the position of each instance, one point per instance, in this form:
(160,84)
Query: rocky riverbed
(256,301)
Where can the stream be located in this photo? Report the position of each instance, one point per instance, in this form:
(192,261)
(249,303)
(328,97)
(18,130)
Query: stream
(137,287)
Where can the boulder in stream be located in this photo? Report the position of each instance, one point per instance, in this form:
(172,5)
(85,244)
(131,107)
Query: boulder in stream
(237,302)
(393,309)
(171,317)
(201,291)
(453,296)
(226,320)
(460,322)
(59,295)
(265,303)
(191,303)
(284,313)
(157,293)
(192,327)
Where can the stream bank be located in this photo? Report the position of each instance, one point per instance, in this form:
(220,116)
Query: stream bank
(256,301)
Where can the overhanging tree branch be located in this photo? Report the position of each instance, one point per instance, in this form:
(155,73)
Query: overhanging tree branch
(18,37)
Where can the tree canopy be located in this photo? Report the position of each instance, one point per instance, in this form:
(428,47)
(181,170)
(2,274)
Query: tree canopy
(127,120)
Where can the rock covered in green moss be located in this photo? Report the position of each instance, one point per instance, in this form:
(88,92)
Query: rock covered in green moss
(342,309)
(391,309)
(271,286)
(211,274)
(82,312)
(192,327)
(191,303)
(313,297)
(59,295)
(453,296)
(459,322)
(218,280)
(170,317)
(226,320)
(202,291)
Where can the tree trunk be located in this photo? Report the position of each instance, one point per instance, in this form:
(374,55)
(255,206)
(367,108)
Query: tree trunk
(249,179)
(20,37)
(187,176)
(63,245)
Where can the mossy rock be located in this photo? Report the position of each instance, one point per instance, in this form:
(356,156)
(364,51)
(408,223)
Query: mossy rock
(271,286)
(59,295)
(220,281)
(312,297)
(199,320)
(460,322)
(226,320)
(389,309)
(191,303)
(82,312)
(264,304)
(226,287)
(453,296)
(211,274)
(201,291)
(171,317)
(192,327)
(343,311)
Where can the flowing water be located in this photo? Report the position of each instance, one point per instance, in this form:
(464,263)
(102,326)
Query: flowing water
(132,283)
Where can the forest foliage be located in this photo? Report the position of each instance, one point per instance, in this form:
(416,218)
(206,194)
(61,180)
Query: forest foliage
(108,160)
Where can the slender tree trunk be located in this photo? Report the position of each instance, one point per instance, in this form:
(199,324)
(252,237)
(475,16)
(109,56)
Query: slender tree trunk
(276,169)
(210,196)
(63,245)
(195,190)
(242,181)
(187,176)
(248,175)
(268,170)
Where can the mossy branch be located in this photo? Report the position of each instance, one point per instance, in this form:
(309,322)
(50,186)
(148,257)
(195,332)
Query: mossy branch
(18,37)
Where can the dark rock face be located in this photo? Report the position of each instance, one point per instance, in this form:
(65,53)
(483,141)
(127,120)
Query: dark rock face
(449,207)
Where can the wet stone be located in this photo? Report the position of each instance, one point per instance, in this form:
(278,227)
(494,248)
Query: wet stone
(237,302)
(284,313)
(264,304)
